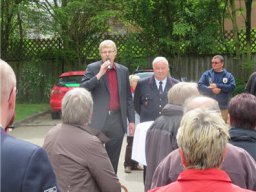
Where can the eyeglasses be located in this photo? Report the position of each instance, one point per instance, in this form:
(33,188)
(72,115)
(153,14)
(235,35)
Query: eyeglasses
(215,62)
(107,52)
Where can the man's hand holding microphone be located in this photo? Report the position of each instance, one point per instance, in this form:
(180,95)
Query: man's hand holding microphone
(104,67)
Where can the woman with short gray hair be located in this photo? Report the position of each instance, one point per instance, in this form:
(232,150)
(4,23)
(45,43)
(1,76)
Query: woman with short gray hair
(76,151)
(77,107)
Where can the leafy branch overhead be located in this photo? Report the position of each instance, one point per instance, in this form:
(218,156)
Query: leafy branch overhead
(168,27)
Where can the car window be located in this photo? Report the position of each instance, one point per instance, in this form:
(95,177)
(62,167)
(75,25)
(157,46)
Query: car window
(145,74)
(70,81)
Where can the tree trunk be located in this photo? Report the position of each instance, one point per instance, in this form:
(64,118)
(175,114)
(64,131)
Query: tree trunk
(248,6)
(233,18)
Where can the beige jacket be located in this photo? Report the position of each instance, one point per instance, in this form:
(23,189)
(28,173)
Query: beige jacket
(80,160)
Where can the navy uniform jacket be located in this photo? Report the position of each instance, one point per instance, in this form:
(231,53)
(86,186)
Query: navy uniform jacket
(100,94)
(148,102)
(25,167)
(224,80)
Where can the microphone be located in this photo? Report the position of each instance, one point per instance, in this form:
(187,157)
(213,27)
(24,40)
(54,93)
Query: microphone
(109,64)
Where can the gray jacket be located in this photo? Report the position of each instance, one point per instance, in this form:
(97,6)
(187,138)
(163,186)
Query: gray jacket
(238,164)
(100,93)
(161,139)
(80,160)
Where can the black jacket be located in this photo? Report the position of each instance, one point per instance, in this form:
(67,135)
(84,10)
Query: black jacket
(245,139)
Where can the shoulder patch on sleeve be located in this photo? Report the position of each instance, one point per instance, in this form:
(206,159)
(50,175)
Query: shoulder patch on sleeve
(53,189)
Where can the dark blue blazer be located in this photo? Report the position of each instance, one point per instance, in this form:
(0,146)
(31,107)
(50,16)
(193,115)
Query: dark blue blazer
(148,102)
(25,167)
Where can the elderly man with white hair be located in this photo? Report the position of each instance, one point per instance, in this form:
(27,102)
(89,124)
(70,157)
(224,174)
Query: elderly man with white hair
(151,93)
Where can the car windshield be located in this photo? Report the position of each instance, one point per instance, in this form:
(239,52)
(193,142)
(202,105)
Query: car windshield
(70,81)
(145,74)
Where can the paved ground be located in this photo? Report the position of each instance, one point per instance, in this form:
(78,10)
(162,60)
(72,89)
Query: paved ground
(35,130)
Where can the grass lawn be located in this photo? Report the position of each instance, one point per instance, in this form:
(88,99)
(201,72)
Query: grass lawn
(26,110)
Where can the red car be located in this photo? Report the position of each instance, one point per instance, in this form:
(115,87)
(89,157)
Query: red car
(65,82)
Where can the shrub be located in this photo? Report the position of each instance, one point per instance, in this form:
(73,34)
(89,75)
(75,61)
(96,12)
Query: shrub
(34,86)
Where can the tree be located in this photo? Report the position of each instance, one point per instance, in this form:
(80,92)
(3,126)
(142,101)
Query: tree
(154,19)
(232,11)
(248,25)
(80,25)
(199,24)
(21,19)
(177,26)
(8,12)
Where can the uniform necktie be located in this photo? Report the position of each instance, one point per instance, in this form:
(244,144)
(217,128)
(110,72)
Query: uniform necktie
(160,87)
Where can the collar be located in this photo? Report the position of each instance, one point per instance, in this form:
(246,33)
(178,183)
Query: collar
(224,71)
(238,134)
(171,110)
(101,136)
(163,81)
(114,66)
(206,174)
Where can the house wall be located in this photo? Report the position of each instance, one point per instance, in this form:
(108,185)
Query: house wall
(240,5)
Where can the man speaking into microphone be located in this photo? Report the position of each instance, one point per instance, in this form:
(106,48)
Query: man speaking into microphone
(109,85)
(109,64)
